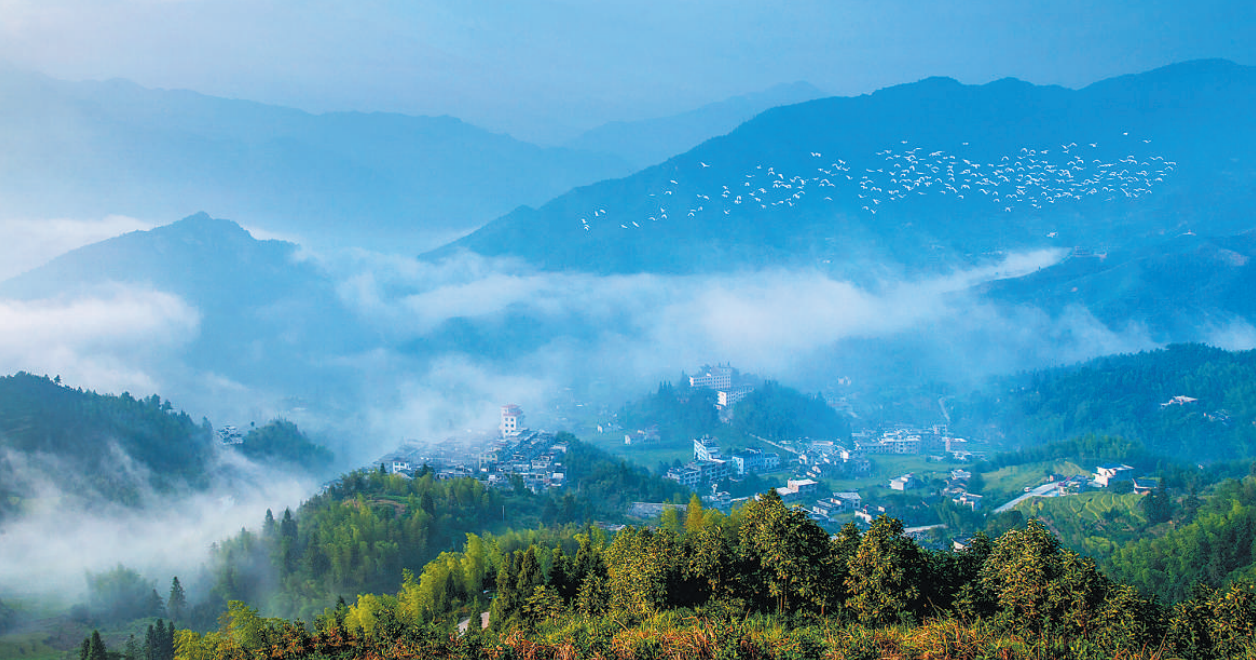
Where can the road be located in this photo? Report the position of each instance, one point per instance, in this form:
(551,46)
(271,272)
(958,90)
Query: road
(1045,490)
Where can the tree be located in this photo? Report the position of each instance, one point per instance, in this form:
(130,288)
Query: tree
(177,601)
(1038,585)
(1157,505)
(96,647)
(133,650)
(155,607)
(884,583)
(792,554)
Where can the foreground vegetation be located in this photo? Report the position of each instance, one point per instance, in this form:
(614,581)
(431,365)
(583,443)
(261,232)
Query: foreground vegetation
(763,582)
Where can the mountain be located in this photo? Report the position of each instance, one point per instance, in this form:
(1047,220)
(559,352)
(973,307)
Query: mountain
(1185,287)
(647,142)
(385,181)
(266,316)
(1187,402)
(918,178)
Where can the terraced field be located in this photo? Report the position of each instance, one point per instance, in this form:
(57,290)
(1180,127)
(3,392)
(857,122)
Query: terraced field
(1094,523)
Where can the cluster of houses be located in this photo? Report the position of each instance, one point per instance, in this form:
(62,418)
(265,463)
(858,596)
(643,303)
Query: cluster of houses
(935,440)
(534,457)
(830,460)
(710,466)
(1108,474)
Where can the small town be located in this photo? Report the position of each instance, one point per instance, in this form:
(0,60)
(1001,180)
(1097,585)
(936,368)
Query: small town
(833,481)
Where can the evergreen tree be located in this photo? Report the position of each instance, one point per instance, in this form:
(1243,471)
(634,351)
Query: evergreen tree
(133,650)
(177,601)
(96,647)
(155,606)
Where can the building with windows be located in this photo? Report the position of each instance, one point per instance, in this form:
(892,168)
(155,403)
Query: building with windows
(512,421)
(706,448)
(754,461)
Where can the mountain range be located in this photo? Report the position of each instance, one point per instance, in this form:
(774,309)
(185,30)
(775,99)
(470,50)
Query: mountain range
(376,180)
(917,178)
(650,141)
(1138,189)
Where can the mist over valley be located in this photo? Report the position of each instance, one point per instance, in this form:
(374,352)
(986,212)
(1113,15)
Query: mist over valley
(304,358)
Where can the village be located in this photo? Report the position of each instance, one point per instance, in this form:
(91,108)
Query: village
(834,481)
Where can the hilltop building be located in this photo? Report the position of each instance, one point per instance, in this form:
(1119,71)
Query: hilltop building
(729,384)
(719,377)
(1106,474)
(512,421)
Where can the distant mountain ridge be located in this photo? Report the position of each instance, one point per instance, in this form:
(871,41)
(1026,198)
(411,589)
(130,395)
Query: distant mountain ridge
(385,181)
(652,141)
(825,184)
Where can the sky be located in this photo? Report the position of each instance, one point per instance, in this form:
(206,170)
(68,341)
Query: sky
(545,70)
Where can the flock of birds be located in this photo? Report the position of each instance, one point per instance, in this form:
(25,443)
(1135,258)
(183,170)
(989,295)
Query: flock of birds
(1030,178)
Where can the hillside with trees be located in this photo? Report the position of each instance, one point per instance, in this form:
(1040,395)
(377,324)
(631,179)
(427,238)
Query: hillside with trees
(84,442)
(1188,401)
(367,527)
(764,582)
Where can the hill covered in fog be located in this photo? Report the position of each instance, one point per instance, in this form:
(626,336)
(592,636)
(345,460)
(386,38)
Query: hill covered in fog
(387,181)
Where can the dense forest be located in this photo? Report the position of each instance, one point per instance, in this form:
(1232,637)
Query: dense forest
(763,582)
(82,440)
(104,448)
(1135,397)
(367,527)
(281,440)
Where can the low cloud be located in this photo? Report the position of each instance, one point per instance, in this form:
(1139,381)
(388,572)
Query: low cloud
(47,549)
(29,243)
(118,338)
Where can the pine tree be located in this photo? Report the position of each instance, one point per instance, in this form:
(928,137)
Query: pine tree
(133,650)
(155,606)
(177,601)
(96,647)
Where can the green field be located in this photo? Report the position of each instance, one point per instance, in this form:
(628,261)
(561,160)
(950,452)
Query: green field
(28,645)
(1095,522)
(1009,482)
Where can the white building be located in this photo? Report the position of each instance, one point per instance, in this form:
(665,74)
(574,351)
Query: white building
(719,377)
(706,448)
(512,421)
(1106,474)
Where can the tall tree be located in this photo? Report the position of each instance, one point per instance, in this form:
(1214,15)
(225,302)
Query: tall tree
(177,601)
(96,647)
(884,583)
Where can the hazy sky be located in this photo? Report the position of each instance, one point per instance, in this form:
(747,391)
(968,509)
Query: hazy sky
(545,69)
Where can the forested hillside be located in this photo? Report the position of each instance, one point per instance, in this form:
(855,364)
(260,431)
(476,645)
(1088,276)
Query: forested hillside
(367,527)
(113,447)
(772,411)
(1190,402)
(95,449)
(764,582)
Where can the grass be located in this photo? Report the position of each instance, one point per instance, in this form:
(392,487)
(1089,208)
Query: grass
(1095,523)
(1009,482)
(31,646)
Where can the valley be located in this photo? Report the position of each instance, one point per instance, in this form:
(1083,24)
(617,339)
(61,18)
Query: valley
(940,370)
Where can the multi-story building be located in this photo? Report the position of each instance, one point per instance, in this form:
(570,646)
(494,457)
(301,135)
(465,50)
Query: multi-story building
(706,448)
(754,461)
(719,377)
(512,421)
